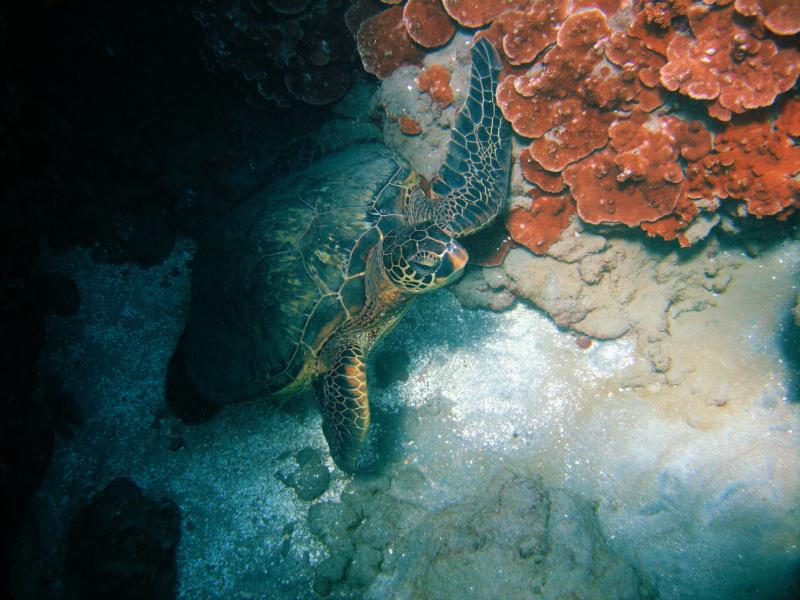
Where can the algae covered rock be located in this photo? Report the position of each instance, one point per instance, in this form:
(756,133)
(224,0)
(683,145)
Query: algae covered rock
(389,541)
(540,543)
(311,478)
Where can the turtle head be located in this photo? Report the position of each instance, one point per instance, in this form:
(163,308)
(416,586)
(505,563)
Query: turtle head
(422,257)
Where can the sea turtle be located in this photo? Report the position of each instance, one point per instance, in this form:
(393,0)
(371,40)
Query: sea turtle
(298,283)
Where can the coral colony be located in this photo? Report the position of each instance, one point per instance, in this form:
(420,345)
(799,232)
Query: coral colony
(640,113)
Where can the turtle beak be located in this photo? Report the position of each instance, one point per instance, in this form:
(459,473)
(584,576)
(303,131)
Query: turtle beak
(453,263)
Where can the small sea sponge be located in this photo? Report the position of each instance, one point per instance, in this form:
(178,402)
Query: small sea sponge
(409,126)
(435,80)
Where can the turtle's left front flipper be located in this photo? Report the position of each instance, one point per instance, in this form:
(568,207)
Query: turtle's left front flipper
(472,185)
(345,406)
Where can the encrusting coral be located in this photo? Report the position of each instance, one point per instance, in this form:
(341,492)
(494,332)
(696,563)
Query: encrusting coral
(601,91)
(733,67)
(779,16)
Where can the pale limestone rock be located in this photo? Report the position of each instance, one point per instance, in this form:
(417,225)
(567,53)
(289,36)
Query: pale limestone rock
(701,227)
(576,244)
(606,289)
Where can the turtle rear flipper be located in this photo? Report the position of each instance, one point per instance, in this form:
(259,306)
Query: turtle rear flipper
(342,391)
(472,184)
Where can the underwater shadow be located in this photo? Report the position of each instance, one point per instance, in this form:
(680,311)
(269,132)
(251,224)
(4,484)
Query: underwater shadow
(789,345)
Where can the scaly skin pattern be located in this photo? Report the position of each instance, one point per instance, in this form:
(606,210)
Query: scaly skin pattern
(471,188)
(343,394)
(468,193)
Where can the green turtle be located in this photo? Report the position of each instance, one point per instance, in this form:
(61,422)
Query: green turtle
(299,282)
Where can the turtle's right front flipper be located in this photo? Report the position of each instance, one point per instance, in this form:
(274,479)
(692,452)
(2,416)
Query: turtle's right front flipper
(472,185)
(345,406)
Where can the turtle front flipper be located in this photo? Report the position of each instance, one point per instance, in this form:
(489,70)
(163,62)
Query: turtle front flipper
(472,186)
(345,406)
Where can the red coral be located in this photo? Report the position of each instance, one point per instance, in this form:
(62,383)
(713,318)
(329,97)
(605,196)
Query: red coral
(652,22)
(754,162)
(584,80)
(435,80)
(477,13)
(523,34)
(427,23)
(692,137)
(727,64)
(635,58)
(541,225)
(636,179)
(760,164)
(608,7)
(672,226)
(788,120)
(384,43)
(779,16)
(409,126)
(567,104)
(547,181)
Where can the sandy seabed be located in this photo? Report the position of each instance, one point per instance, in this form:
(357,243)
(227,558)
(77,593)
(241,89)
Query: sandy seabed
(681,482)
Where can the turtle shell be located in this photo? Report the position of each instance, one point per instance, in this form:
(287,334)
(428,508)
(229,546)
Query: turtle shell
(281,272)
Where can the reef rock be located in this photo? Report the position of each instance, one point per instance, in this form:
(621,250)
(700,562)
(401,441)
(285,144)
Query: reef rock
(122,545)
(540,539)
(407,93)
(603,288)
